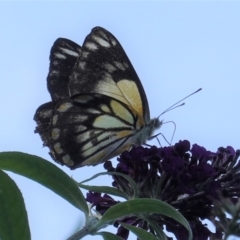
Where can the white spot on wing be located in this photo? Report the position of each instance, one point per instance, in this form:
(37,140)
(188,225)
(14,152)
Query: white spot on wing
(80,128)
(101,41)
(64,107)
(55,63)
(70,52)
(84,54)
(108,122)
(125,65)
(102,33)
(83,98)
(45,113)
(113,41)
(67,160)
(54,73)
(59,55)
(57,148)
(119,65)
(109,67)
(82,65)
(55,133)
(54,119)
(91,46)
(93,111)
(79,118)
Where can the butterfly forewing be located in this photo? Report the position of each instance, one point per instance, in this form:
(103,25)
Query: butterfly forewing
(99,107)
(104,68)
(63,57)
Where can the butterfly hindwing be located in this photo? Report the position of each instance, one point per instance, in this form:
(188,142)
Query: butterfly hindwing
(93,131)
(43,117)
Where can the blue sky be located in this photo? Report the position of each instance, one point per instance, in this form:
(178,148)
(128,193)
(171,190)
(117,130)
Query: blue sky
(175,47)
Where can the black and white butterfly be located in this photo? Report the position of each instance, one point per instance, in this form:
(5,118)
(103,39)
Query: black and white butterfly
(98,108)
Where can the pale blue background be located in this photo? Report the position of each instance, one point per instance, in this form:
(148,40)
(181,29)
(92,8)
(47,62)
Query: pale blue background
(175,47)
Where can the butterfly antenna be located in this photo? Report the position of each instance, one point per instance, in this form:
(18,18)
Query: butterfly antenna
(175,105)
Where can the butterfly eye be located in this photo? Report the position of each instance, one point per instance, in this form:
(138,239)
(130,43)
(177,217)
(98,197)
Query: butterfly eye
(157,123)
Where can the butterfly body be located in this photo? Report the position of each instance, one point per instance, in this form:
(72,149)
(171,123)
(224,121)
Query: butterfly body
(98,108)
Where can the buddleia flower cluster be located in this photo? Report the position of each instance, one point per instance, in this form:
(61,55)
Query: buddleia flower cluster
(191,179)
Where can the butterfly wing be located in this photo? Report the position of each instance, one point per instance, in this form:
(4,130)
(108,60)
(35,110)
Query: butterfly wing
(98,128)
(103,67)
(98,103)
(63,58)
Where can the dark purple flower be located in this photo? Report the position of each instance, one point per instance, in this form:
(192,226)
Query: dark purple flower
(188,178)
(102,203)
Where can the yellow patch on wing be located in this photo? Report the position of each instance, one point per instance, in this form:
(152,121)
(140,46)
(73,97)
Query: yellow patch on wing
(108,87)
(131,94)
(109,151)
(122,112)
(125,91)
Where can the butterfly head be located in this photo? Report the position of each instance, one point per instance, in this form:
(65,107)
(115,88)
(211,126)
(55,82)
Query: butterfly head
(147,131)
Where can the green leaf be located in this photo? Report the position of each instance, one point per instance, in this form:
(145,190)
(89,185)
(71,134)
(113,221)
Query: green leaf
(140,233)
(159,231)
(45,173)
(108,236)
(104,189)
(13,215)
(142,206)
(131,182)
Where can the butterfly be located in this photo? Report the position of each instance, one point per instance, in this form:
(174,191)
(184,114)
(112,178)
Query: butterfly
(99,107)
